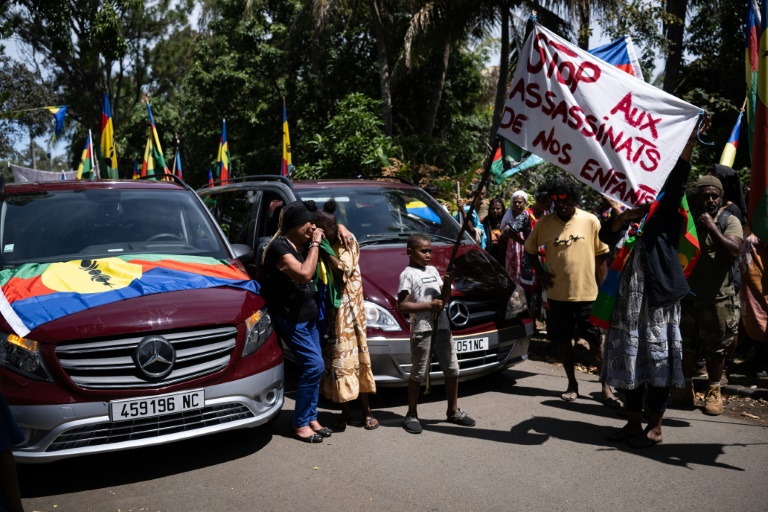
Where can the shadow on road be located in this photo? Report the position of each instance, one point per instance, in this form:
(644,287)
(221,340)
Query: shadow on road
(138,465)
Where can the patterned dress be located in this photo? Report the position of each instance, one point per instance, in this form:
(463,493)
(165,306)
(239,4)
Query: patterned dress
(643,345)
(516,263)
(347,361)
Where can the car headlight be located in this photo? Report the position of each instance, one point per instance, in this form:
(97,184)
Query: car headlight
(516,304)
(259,327)
(376,317)
(22,356)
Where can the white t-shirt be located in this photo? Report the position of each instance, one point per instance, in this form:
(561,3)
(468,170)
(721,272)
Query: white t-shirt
(423,285)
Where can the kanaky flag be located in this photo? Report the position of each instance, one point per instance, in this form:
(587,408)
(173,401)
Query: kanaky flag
(729,151)
(85,169)
(136,169)
(156,150)
(148,164)
(210,178)
(286,168)
(108,139)
(752,47)
(34,294)
(688,252)
(758,186)
(59,113)
(222,160)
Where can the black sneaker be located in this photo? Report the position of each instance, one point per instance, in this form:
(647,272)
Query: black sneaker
(461,418)
(412,424)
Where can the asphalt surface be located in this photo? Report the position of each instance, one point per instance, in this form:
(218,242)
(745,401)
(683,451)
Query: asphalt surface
(529,451)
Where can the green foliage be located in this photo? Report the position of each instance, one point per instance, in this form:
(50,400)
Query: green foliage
(353,142)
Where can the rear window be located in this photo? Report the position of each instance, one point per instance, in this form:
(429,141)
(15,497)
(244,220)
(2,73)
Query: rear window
(98,223)
(386,214)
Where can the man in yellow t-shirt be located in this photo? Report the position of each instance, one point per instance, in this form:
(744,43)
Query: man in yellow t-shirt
(575,266)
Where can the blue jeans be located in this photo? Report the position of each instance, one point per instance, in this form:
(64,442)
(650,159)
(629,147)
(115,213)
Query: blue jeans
(303,339)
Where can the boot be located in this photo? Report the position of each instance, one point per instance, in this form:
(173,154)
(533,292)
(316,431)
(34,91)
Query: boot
(684,397)
(713,401)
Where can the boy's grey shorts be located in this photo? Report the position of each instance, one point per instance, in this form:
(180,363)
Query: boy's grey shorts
(444,349)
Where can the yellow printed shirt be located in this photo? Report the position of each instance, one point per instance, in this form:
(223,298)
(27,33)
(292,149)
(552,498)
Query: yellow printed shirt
(570,249)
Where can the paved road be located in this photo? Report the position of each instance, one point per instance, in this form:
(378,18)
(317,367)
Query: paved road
(529,451)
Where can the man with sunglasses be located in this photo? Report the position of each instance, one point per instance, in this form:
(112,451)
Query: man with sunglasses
(574,268)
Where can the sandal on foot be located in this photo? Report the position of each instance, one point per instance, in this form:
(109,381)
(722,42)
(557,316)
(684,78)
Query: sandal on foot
(341,424)
(570,395)
(642,441)
(461,418)
(412,425)
(370,423)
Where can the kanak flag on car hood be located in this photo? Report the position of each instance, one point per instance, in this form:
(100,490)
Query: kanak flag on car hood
(35,293)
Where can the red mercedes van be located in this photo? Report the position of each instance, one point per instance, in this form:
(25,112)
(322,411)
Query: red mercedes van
(488,312)
(93,361)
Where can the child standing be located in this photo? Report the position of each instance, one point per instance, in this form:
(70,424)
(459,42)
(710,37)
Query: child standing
(419,294)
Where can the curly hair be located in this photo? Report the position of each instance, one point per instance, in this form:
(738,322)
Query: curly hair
(570,186)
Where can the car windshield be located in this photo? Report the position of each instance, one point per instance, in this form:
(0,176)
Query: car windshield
(97,223)
(386,215)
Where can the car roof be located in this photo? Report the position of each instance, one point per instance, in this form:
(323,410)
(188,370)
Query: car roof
(359,184)
(55,185)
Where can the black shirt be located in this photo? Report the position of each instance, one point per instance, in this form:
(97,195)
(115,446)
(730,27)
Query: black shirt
(285,297)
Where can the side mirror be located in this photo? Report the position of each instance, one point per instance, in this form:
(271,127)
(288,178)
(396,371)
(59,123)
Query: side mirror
(243,252)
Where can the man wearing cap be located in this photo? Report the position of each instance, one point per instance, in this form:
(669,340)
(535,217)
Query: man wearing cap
(710,313)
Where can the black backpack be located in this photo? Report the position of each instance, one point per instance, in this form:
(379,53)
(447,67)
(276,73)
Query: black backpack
(722,224)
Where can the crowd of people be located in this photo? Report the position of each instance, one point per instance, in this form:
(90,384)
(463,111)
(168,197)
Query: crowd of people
(615,278)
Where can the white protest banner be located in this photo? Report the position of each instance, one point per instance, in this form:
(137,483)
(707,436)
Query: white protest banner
(612,131)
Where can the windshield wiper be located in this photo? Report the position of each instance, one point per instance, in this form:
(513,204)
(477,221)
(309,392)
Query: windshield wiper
(444,238)
(382,238)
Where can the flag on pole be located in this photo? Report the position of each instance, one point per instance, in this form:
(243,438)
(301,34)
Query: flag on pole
(752,46)
(148,164)
(620,53)
(729,151)
(210,178)
(159,167)
(136,169)
(222,160)
(59,113)
(85,169)
(286,168)
(177,164)
(758,185)
(108,139)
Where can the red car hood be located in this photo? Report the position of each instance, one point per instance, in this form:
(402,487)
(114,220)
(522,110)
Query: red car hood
(186,309)
(476,273)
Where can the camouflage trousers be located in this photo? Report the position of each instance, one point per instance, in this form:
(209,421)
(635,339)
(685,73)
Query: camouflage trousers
(709,325)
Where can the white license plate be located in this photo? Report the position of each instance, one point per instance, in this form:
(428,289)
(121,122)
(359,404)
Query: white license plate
(131,409)
(471,345)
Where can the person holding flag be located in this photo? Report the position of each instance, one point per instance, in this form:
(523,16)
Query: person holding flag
(643,346)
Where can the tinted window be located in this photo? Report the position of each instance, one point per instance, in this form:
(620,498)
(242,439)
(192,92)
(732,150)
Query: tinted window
(386,214)
(98,223)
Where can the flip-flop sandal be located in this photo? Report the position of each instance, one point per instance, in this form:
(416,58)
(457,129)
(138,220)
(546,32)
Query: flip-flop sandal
(340,425)
(370,423)
(570,396)
(412,425)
